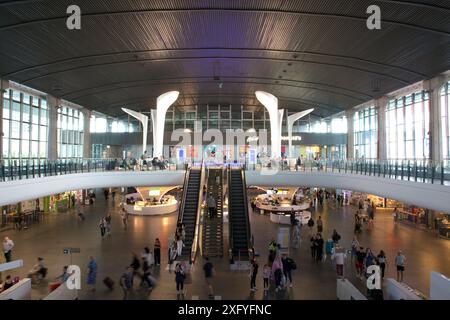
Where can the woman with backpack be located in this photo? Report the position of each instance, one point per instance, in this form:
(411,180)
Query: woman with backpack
(288,266)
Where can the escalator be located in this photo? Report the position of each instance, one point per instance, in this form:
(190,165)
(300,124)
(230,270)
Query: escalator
(212,232)
(188,213)
(239,223)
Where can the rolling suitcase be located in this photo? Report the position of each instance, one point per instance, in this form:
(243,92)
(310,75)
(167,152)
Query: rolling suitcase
(109,283)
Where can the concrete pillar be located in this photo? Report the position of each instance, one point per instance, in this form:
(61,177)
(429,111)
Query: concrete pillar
(433,87)
(53,104)
(87,145)
(350,134)
(381,104)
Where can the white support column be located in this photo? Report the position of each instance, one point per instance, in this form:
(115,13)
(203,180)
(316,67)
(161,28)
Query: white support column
(53,104)
(87,144)
(350,134)
(381,104)
(270,102)
(163,102)
(433,87)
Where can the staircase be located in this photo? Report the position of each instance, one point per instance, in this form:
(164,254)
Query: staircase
(189,209)
(212,232)
(238,214)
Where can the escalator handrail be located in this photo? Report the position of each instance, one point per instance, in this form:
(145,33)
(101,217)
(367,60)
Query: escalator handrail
(247,219)
(183,199)
(195,240)
(230,220)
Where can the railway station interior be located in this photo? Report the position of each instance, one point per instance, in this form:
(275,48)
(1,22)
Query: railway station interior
(225,150)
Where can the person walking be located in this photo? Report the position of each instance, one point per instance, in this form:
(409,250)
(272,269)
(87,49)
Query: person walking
(382,262)
(179,279)
(102,226)
(355,246)
(313,247)
(208,270)
(339,257)
(277,272)
(108,224)
(319,225)
(266,276)
(8,245)
(298,163)
(396,214)
(311,224)
(359,264)
(400,260)
(335,237)
(172,253)
(126,282)
(292,218)
(124,219)
(319,247)
(253,273)
(288,265)
(147,275)
(92,273)
(157,252)
(135,265)
(180,246)
(147,258)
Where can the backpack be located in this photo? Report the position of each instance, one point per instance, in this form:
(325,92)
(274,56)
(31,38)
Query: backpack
(311,223)
(292,264)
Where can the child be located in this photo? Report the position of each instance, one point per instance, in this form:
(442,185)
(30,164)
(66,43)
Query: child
(266,274)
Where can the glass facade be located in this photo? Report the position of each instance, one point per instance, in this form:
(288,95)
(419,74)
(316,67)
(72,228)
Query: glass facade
(365,128)
(445,120)
(25,126)
(70,133)
(408,126)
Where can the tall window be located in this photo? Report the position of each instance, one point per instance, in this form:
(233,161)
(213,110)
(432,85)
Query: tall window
(407,127)
(445,120)
(365,133)
(70,133)
(25,125)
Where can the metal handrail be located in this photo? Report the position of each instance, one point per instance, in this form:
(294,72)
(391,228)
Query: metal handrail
(183,198)
(423,171)
(193,254)
(247,220)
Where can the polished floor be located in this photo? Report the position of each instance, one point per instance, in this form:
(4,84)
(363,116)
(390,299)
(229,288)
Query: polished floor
(424,252)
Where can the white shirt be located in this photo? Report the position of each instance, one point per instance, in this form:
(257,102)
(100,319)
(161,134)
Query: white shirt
(8,245)
(339,257)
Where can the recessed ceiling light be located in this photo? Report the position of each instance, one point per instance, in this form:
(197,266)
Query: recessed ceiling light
(280,77)
(289,64)
(284,70)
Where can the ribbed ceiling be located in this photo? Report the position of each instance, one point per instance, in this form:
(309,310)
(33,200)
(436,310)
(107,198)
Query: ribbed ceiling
(308,53)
